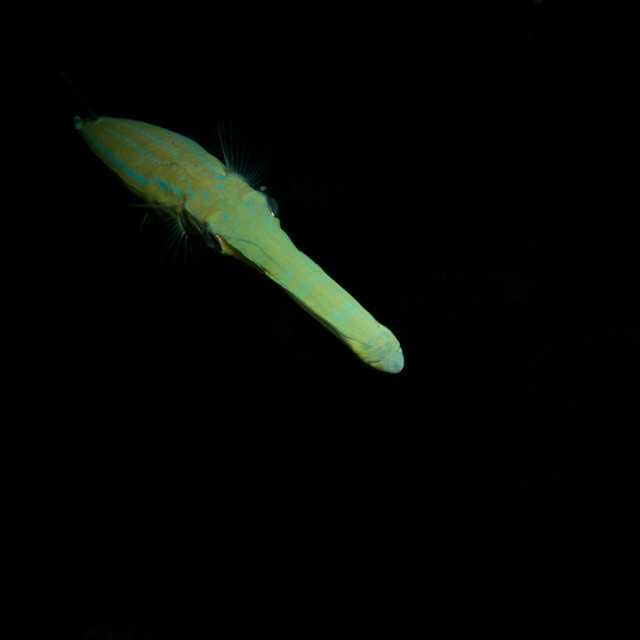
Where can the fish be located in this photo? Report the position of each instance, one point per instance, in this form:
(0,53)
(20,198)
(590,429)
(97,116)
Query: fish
(208,198)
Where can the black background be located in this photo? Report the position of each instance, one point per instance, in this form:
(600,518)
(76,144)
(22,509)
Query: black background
(196,457)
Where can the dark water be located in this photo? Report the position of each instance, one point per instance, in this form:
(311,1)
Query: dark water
(198,458)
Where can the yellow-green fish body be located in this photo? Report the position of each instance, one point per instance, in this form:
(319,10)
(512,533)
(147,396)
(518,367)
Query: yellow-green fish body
(166,169)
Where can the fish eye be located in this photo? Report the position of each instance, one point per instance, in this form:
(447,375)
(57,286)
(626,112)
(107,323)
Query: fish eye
(271,201)
(272,204)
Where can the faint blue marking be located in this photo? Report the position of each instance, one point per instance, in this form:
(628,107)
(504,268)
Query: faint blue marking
(115,160)
(169,187)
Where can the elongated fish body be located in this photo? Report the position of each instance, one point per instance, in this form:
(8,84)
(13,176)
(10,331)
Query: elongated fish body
(166,169)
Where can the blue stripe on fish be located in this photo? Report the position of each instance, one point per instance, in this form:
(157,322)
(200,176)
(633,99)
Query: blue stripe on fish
(115,160)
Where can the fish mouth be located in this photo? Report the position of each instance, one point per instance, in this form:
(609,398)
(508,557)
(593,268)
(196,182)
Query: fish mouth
(388,357)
